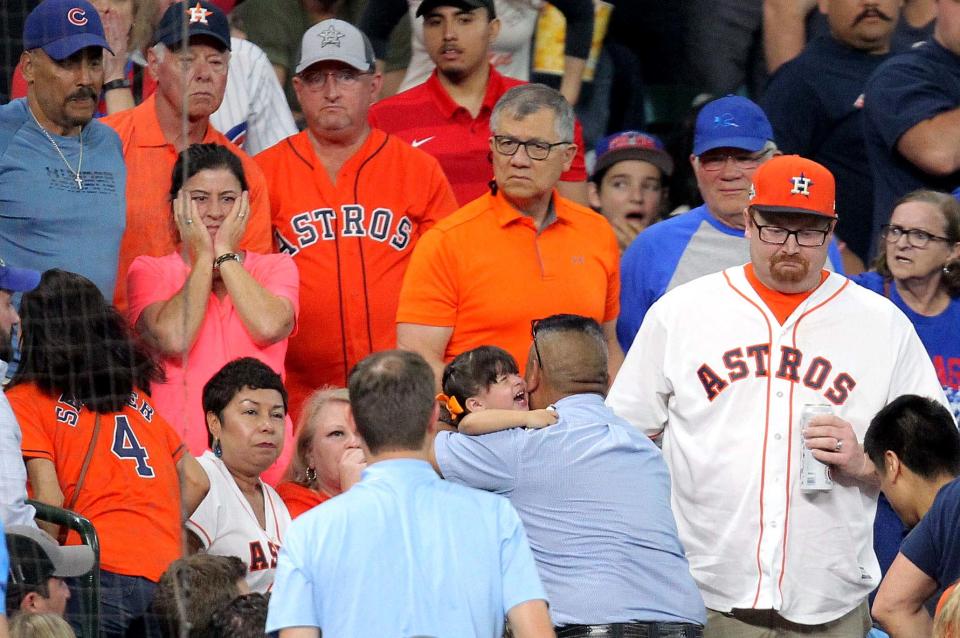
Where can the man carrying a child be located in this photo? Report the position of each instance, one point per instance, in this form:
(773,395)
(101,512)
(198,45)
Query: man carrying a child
(597,508)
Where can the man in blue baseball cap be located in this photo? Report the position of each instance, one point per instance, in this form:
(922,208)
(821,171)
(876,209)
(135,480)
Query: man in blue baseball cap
(731,140)
(61,172)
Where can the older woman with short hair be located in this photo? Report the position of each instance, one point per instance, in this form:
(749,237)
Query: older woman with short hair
(918,269)
(239,515)
(328,458)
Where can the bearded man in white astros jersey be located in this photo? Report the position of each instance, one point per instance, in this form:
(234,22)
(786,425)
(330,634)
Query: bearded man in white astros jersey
(723,366)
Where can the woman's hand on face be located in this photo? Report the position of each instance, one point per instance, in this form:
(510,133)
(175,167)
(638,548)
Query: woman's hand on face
(116,28)
(192,231)
(233,226)
(352,463)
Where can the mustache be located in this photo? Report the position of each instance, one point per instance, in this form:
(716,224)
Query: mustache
(872,12)
(84,92)
(796,259)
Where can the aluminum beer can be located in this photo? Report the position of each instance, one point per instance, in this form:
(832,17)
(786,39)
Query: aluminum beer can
(814,475)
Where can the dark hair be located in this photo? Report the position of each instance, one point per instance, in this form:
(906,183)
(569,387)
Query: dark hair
(473,371)
(192,588)
(463,6)
(76,344)
(392,398)
(569,323)
(920,431)
(17,591)
(202,157)
(586,371)
(245,372)
(243,617)
(949,208)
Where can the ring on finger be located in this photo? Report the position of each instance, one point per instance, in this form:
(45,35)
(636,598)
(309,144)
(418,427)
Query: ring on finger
(839,446)
(189,221)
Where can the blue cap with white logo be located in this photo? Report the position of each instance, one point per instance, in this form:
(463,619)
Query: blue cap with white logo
(731,122)
(63,27)
(18,279)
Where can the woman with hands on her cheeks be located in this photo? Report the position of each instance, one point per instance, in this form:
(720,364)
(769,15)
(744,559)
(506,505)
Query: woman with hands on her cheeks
(212,303)
(328,458)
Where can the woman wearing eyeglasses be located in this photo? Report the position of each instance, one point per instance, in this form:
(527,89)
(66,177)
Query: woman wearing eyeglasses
(918,269)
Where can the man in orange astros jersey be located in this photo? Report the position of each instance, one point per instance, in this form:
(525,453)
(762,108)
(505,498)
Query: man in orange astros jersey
(349,202)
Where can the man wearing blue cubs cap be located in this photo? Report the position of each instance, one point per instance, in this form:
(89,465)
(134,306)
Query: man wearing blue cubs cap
(61,172)
(732,138)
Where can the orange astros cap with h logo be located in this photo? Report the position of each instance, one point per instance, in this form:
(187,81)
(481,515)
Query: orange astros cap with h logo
(794,184)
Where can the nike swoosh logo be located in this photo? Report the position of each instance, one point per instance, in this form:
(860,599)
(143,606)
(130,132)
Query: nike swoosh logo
(416,143)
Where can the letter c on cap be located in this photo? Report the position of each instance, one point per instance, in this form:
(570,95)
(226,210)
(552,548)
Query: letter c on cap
(77,16)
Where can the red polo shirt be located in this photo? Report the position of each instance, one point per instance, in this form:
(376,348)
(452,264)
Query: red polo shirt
(427,117)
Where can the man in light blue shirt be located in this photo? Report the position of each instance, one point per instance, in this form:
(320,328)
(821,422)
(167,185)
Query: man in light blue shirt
(593,493)
(403,553)
(13,473)
(62,176)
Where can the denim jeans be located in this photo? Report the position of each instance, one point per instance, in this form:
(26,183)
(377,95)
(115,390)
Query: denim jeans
(123,599)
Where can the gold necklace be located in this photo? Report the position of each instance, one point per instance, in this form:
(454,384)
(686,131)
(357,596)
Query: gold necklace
(76,173)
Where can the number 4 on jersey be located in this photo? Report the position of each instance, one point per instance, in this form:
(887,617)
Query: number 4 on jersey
(126,446)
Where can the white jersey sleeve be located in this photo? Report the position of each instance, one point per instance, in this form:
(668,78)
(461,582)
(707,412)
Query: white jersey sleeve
(643,368)
(254,113)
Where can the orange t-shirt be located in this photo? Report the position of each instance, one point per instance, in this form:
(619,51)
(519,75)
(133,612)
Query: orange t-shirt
(150,159)
(487,272)
(943,598)
(298,498)
(131,492)
(351,240)
(781,304)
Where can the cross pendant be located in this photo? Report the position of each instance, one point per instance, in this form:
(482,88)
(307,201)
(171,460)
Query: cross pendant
(78,181)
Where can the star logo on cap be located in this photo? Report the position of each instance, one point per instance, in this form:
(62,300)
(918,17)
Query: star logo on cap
(801,185)
(199,14)
(331,36)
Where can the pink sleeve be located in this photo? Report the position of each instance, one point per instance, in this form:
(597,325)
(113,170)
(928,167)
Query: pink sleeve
(149,280)
(278,273)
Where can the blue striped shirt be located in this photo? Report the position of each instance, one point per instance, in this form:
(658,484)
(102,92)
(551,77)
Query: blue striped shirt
(594,497)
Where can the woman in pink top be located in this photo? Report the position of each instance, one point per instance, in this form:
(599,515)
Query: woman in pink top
(208,303)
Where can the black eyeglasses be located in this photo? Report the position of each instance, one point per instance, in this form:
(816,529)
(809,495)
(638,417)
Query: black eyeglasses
(534,324)
(806,237)
(536,150)
(915,237)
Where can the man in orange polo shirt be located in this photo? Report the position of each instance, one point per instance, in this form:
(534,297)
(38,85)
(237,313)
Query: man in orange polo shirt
(349,203)
(518,253)
(153,133)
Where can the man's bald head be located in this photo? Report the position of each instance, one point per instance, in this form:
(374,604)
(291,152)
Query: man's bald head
(568,356)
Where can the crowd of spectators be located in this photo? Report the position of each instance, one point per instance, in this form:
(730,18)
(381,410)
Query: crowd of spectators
(386,318)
